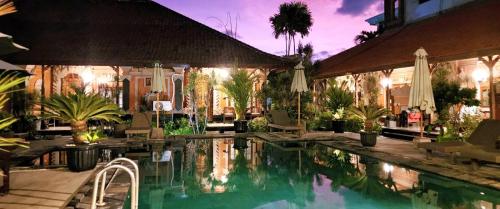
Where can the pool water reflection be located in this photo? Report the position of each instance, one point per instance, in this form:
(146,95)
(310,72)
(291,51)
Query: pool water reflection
(240,173)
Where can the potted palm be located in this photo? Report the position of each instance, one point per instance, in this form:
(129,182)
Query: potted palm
(239,88)
(77,108)
(338,99)
(369,114)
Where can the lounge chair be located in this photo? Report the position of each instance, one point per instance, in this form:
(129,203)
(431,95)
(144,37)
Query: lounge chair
(280,120)
(485,136)
(480,153)
(141,124)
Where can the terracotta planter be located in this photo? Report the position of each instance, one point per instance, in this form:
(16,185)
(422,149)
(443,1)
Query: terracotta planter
(368,139)
(82,157)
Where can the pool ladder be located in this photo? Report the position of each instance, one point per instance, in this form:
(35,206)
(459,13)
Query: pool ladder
(101,177)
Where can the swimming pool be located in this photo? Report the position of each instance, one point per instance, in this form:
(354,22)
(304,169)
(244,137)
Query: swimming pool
(248,174)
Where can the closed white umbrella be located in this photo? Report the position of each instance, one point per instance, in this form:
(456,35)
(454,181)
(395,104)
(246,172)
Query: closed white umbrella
(7,46)
(7,66)
(158,86)
(421,95)
(299,84)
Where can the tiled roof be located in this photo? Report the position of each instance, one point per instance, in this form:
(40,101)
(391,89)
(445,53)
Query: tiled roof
(126,33)
(467,31)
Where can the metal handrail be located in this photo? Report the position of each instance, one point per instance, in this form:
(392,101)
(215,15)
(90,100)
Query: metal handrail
(103,182)
(133,199)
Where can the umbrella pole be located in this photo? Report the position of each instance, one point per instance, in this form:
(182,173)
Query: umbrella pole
(157,111)
(422,124)
(298,122)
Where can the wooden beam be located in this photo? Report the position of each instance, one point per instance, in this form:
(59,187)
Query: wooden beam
(432,68)
(490,62)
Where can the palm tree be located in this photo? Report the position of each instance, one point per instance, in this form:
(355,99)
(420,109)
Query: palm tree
(7,7)
(369,114)
(365,36)
(293,18)
(78,108)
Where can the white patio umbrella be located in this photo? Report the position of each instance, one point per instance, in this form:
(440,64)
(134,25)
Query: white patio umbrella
(421,95)
(7,46)
(158,86)
(299,85)
(7,66)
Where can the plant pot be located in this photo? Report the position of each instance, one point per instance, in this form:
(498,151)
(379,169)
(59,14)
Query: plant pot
(240,126)
(240,143)
(368,139)
(82,157)
(338,126)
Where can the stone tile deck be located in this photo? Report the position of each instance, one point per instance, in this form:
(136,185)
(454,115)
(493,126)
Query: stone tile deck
(404,153)
(42,189)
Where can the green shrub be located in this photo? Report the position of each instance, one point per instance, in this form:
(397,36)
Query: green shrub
(258,124)
(179,127)
(353,124)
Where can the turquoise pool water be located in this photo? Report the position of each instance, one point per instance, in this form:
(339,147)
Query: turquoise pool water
(252,174)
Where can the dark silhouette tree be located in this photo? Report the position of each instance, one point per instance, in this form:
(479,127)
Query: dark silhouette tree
(293,18)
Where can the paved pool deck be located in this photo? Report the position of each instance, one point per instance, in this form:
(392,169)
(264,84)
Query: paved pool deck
(43,188)
(402,153)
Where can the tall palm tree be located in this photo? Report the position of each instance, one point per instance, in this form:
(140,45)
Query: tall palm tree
(293,18)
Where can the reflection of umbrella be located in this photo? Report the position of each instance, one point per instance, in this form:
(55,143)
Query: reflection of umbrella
(421,89)
(158,86)
(7,46)
(299,84)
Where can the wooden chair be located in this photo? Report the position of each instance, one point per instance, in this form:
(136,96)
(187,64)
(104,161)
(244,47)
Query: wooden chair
(228,113)
(280,120)
(141,124)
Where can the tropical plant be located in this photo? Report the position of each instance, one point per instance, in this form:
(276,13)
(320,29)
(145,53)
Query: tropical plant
(94,136)
(293,18)
(258,124)
(365,36)
(369,114)
(79,107)
(371,88)
(7,7)
(239,87)
(338,98)
(448,94)
(7,82)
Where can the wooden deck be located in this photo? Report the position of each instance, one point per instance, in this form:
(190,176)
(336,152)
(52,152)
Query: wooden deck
(43,189)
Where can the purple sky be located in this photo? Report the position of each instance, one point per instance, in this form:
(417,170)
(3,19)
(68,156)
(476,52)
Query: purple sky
(335,22)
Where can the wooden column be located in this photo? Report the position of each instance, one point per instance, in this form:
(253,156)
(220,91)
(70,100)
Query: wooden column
(117,87)
(387,74)
(357,78)
(490,62)
(432,68)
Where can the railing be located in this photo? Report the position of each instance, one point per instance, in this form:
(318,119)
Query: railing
(101,177)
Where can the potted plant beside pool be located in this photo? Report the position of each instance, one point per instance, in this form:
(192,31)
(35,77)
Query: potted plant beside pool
(339,98)
(77,108)
(239,88)
(370,115)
